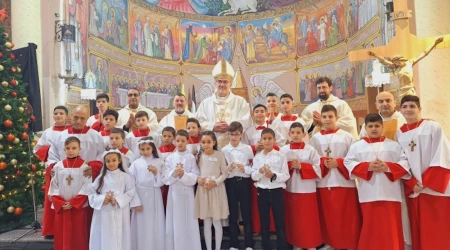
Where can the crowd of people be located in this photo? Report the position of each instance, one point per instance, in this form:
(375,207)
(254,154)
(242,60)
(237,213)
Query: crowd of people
(121,180)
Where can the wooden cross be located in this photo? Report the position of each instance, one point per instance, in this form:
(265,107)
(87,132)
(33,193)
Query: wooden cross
(404,43)
(412,145)
(328,151)
(69,179)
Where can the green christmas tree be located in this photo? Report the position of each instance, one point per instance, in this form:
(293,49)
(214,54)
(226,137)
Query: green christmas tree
(16,171)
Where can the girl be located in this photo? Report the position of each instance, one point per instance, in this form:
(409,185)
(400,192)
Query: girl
(194,129)
(147,219)
(211,203)
(181,174)
(68,192)
(110,198)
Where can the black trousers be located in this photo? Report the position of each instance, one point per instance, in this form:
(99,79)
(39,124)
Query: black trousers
(271,198)
(238,192)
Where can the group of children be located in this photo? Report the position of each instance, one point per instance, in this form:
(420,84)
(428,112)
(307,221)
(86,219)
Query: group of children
(306,188)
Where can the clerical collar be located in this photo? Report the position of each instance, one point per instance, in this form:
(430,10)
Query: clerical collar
(105,132)
(326,132)
(407,127)
(124,150)
(59,128)
(194,139)
(167,148)
(297,145)
(182,113)
(141,132)
(73,158)
(374,140)
(72,130)
(386,117)
(222,98)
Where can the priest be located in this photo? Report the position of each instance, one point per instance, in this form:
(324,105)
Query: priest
(311,114)
(223,107)
(392,119)
(178,116)
(427,149)
(92,145)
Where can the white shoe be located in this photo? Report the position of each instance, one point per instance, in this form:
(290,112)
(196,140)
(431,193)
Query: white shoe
(232,248)
(249,248)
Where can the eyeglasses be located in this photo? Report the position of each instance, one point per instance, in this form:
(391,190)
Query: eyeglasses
(133,94)
(222,81)
(234,135)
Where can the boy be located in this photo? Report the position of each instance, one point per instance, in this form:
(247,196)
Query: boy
(117,141)
(338,198)
(272,106)
(166,149)
(181,173)
(428,192)
(142,130)
(238,157)
(270,170)
(60,114)
(252,135)
(378,164)
(96,121)
(283,123)
(109,122)
(301,209)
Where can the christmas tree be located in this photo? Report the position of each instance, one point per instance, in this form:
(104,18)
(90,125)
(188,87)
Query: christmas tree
(17,163)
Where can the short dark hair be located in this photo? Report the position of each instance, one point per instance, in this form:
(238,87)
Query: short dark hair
(286,95)
(102,96)
(260,106)
(328,108)
(141,113)
(268,131)
(324,79)
(72,139)
(235,126)
(169,129)
(184,133)
(410,98)
(180,94)
(111,112)
(297,125)
(134,89)
(193,120)
(373,117)
(118,131)
(271,94)
(63,108)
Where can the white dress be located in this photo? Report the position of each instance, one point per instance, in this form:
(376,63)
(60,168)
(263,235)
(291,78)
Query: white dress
(110,228)
(147,227)
(182,231)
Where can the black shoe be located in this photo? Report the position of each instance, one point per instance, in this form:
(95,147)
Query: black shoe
(48,237)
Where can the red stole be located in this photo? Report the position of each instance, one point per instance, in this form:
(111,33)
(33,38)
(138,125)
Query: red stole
(194,139)
(290,118)
(167,148)
(141,132)
(71,130)
(124,150)
(105,132)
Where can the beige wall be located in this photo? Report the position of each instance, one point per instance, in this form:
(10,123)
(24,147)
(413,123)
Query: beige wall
(433,19)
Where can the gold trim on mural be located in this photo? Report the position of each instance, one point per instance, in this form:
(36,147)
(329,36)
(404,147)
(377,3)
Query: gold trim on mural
(107,45)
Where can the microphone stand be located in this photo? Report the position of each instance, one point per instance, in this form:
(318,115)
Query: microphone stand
(35,225)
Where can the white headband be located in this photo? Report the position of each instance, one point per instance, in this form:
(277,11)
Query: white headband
(111,151)
(146,141)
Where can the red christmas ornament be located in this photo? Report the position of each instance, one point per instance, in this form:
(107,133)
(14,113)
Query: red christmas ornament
(1,54)
(24,136)
(3,165)
(43,188)
(12,56)
(18,172)
(13,82)
(14,94)
(18,211)
(33,118)
(13,70)
(8,123)
(25,125)
(10,137)
(33,167)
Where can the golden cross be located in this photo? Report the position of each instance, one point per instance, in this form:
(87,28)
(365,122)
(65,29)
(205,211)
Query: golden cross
(69,179)
(412,145)
(328,151)
(404,43)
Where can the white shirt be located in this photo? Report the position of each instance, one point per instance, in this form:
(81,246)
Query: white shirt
(277,164)
(242,154)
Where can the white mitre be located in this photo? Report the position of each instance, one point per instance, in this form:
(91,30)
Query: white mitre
(223,69)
